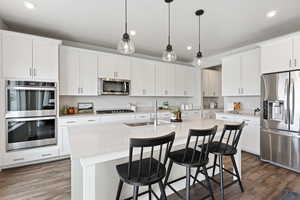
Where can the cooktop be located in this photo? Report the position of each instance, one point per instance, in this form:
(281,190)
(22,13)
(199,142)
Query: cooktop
(114,111)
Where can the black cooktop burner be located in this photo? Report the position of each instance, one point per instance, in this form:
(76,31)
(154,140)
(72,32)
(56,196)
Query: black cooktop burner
(114,111)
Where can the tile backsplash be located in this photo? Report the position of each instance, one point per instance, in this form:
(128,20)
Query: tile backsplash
(248,104)
(116,102)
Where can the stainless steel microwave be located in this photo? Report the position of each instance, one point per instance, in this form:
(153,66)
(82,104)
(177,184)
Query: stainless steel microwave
(114,87)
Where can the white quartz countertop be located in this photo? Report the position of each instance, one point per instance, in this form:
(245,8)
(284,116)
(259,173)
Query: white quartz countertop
(104,142)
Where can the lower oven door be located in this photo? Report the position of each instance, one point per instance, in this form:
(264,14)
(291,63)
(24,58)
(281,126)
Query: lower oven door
(25,133)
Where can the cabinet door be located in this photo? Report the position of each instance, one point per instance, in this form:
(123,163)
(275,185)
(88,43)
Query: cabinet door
(142,77)
(180,73)
(65,144)
(45,59)
(17,56)
(231,76)
(88,62)
(162,80)
(205,82)
(296,53)
(189,81)
(277,56)
(122,67)
(106,66)
(69,71)
(250,73)
(250,141)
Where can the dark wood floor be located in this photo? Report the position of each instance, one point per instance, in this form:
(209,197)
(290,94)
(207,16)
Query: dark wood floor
(52,181)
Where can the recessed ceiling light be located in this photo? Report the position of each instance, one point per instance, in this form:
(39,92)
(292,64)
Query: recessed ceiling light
(132,32)
(29,5)
(189,48)
(271,14)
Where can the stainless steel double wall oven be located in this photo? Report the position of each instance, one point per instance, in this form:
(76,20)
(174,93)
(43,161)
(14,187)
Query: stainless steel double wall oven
(30,114)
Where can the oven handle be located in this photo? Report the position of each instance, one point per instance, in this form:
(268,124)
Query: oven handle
(31,88)
(30,119)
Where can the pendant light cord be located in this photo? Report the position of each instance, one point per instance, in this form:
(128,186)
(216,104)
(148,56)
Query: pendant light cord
(199,33)
(169,21)
(125,16)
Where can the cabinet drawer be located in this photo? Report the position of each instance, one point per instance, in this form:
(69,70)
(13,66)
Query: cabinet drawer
(78,121)
(13,158)
(142,116)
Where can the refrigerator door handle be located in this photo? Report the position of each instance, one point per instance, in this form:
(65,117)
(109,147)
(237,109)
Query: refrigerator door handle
(286,107)
(293,102)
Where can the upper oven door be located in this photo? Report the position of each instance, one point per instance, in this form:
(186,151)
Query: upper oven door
(30,101)
(114,87)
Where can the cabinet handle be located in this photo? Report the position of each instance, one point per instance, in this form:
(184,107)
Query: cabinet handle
(19,159)
(46,154)
(91,120)
(34,71)
(295,62)
(71,122)
(290,62)
(81,90)
(30,71)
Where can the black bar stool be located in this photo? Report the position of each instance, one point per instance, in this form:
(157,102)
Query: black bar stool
(226,146)
(190,157)
(146,171)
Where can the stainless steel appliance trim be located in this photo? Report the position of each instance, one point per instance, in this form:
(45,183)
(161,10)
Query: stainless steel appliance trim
(33,113)
(31,144)
(31,88)
(279,165)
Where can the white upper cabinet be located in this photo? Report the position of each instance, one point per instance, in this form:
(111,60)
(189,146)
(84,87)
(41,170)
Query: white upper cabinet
(241,74)
(142,77)
(17,56)
(296,53)
(180,73)
(211,80)
(165,79)
(78,72)
(88,79)
(277,56)
(45,59)
(231,76)
(27,57)
(250,73)
(69,71)
(189,80)
(114,66)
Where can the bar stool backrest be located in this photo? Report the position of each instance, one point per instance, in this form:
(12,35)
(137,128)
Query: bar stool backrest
(231,135)
(163,144)
(206,136)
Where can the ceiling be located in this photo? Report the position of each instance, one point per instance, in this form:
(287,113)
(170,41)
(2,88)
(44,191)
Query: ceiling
(226,24)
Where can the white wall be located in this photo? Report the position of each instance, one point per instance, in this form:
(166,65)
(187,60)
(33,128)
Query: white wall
(2,25)
(248,104)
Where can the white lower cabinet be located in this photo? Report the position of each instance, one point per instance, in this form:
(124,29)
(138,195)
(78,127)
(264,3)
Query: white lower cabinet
(30,155)
(250,139)
(65,148)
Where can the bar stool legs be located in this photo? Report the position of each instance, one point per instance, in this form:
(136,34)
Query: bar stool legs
(188,180)
(119,189)
(222,176)
(237,173)
(208,183)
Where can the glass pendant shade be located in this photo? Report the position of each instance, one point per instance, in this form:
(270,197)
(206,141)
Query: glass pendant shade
(197,62)
(169,55)
(126,45)
(198,59)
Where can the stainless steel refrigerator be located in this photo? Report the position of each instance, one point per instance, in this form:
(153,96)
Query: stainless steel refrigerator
(280,119)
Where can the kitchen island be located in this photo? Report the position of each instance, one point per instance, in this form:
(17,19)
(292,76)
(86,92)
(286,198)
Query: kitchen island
(96,149)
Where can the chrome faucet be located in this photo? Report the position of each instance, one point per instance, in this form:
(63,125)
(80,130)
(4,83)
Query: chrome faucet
(156,113)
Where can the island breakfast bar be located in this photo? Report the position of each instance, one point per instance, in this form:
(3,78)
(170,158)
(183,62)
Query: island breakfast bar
(96,150)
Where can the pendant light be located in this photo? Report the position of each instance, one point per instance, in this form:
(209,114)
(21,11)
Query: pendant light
(169,55)
(198,61)
(126,45)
